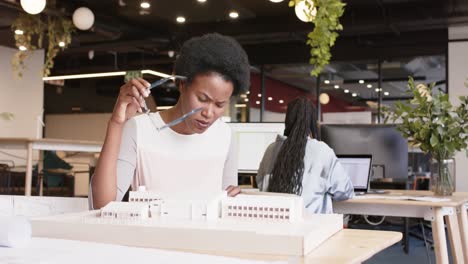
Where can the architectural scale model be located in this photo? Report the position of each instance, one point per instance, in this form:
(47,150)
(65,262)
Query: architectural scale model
(267,208)
(258,223)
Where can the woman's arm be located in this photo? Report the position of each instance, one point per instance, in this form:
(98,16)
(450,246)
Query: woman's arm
(340,185)
(266,165)
(129,102)
(231,169)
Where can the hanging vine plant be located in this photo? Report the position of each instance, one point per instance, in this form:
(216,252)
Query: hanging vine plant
(325,15)
(32,30)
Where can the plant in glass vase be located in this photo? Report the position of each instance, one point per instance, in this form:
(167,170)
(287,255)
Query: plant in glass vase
(430,122)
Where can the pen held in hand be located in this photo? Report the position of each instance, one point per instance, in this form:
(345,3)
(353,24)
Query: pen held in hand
(163,80)
(180,119)
(157,83)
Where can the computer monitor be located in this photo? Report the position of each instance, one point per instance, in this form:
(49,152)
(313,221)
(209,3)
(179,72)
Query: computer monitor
(358,168)
(387,146)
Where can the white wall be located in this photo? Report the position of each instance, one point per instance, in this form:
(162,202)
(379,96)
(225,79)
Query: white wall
(77,126)
(457,76)
(268,116)
(22,97)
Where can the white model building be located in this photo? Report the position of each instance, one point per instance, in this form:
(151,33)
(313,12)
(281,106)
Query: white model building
(271,208)
(130,211)
(285,208)
(253,223)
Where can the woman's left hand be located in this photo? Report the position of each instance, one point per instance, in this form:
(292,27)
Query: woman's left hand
(233,190)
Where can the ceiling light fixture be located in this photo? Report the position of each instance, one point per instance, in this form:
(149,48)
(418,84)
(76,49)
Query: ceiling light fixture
(324,98)
(257,102)
(171,53)
(246,99)
(201,1)
(61,44)
(327,81)
(164,107)
(280,101)
(84,76)
(145,5)
(386,93)
(346,91)
(369,86)
(156,73)
(248,92)
(337,86)
(270,98)
(33,7)
(101,74)
(83,18)
(354,94)
(233,14)
(180,19)
(361,81)
(378,90)
(19,32)
(259,95)
(276,1)
(303,12)
(22,48)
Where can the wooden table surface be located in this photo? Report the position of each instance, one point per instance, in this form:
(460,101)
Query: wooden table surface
(453,210)
(348,246)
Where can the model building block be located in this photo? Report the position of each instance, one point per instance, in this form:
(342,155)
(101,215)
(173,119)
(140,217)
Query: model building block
(219,224)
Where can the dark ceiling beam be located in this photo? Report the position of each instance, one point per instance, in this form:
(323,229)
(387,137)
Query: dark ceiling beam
(121,46)
(376,47)
(161,63)
(383,47)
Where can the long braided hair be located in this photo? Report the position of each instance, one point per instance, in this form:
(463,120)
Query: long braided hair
(300,123)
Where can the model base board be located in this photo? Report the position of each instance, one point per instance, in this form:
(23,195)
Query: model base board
(222,235)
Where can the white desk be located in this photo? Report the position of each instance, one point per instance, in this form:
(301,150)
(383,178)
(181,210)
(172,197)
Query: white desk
(46,144)
(431,211)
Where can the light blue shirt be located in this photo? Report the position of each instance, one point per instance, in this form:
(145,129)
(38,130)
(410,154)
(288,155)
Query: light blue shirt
(324,178)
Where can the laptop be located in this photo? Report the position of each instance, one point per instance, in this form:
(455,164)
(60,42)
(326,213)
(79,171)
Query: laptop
(358,167)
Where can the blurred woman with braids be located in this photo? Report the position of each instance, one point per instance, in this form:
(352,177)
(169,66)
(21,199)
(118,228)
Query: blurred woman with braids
(299,164)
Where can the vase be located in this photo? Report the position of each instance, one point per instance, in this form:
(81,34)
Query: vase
(443,177)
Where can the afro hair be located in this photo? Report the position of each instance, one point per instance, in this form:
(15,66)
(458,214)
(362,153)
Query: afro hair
(215,53)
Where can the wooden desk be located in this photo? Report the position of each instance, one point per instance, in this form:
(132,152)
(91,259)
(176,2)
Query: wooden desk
(431,211)
(462,213)
(353,246)
(46,144)
(347,246)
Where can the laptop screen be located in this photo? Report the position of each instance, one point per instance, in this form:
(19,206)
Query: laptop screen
(358,168)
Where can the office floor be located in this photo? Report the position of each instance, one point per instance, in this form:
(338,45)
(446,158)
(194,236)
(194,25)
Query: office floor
(395,254)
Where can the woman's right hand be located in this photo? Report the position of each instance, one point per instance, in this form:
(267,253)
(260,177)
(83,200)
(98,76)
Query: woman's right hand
(131,100)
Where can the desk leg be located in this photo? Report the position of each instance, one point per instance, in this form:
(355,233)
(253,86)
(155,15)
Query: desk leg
(454,237)
(28,180)
(438,232)
(463,222)
(406,242)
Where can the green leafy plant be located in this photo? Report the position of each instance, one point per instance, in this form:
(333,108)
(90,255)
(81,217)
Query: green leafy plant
(430,122)
(326,26)
(56,29)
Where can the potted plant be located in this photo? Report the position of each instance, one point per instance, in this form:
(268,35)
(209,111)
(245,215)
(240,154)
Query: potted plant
(430,122)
